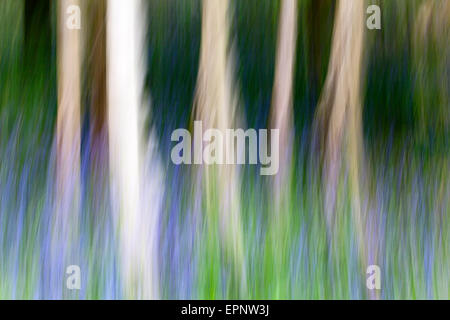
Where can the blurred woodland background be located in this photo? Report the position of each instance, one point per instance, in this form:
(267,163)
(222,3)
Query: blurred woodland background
(86,177)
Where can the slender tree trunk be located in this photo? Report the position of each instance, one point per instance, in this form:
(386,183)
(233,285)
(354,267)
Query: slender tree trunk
(281,116)
(215,106)
(65,229)
(338,117)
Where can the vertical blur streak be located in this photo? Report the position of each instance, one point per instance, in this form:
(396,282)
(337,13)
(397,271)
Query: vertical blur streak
(281,117)
(339,114)
(65,227)
(281,113)
(96,45)
(37,14)
(215,106)
(430,44)
(431,57)
(95,75)
(281,110)
(137,227)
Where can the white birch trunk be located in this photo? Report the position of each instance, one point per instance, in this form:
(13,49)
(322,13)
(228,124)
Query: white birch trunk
(137,194)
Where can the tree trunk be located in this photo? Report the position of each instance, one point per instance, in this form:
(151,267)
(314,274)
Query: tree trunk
(215,105)
(65,230)
(131,181)
(338,116)
(281,116)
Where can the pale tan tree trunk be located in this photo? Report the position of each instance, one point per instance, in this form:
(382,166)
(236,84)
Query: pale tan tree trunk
(281,118)
(68,119)
(338,118)
(215,105)
(281,113)
(65,220)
